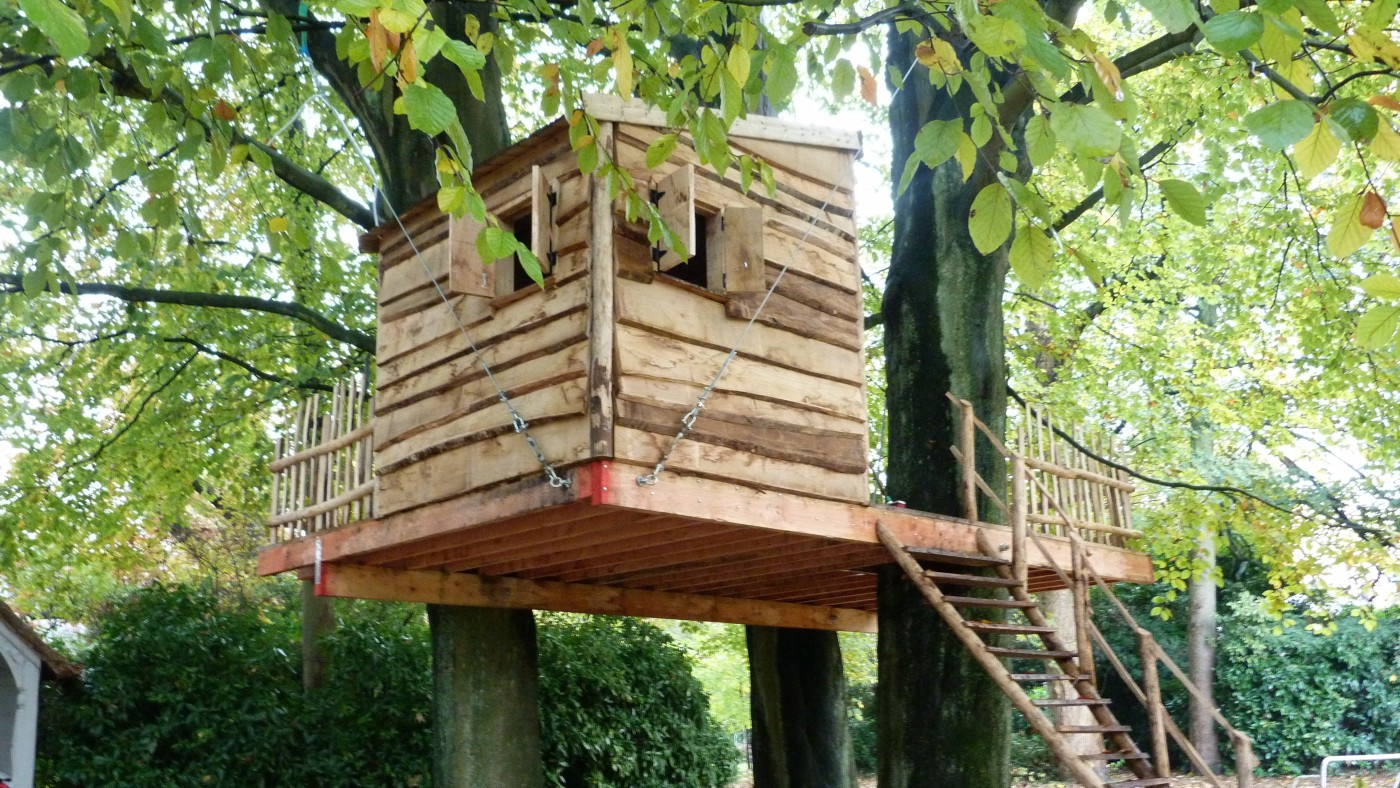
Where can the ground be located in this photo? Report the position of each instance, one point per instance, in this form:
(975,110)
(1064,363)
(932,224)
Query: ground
(1356,780)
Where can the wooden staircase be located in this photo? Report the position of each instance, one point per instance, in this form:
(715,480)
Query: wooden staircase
(946,591)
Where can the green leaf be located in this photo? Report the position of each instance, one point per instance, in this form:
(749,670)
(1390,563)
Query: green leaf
(911,166)
(1040,140)
(1185,200)
(1316,152)
(989,221)
(1356,116)
(996,36)
(661,149)
(452,199)
(1377,327)
(1280,124)
(843,79)
(429,109)
(1085,130)
(1174,15)
(1321,15)
(966,155)
(1032,256)
(1382,286)
(493,243)
(60,23)
(467,57)
(1348,234)
(1233,31)
(937,141)
(782,77)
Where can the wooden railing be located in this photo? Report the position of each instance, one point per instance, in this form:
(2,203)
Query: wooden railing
(1058,488)
(323,476)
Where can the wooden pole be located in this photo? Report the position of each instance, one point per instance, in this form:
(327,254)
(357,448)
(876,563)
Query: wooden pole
(967,442)
(1244,758)
(1079,577)
(1018,518)
(1152,688)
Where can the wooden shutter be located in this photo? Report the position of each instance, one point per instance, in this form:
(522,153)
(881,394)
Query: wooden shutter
(734,244)
(468,276)
(674,196)
(544,195)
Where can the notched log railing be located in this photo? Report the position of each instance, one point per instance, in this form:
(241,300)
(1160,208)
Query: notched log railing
(1058,489)
(323,476)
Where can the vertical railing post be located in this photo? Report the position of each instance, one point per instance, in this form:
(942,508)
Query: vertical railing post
(1151,687)
(1244,758)
(1019,504)
(967,444)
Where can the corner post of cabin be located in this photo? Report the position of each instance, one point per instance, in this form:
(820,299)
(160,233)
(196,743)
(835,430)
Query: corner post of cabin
(1019,505)
(1152,690)
(602,272)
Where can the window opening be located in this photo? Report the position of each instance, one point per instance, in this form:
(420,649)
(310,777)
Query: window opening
(696,269)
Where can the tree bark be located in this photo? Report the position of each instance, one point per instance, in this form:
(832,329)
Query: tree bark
(1059,607)
(1201,593)
(317,621)
(486,731)
(942,720)
(798,702)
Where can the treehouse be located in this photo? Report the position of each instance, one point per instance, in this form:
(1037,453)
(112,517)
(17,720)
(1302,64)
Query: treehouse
(761,513)
(679,430)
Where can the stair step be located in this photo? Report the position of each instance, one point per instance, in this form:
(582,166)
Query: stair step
(977,601)
(1093,729)
(1148,783)
(1060,702)
(1116,756)
(1047,677)
(954,557)
(1031,653)
(980,581)
(1008,629)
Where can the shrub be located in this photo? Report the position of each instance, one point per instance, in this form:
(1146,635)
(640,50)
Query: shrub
(183,687)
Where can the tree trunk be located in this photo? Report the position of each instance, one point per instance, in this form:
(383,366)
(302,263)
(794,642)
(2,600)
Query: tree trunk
(942,720)
(798,703)
(486,731)
(1059,607)
(1201,594)
(317,621)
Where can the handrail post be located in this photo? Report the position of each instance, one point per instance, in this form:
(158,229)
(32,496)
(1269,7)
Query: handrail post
(1020,503)
(1244,758)
(1152,688)
(967,445)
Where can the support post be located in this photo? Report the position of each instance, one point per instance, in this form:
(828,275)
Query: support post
(1019,505)
(1152,688)
(1244,758)
(967,444)
(1079,581)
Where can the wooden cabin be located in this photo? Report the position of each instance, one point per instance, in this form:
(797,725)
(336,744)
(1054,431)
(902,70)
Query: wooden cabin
(762,513)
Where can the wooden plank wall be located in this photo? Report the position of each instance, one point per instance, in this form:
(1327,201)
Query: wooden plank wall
(440,429)
(790,412)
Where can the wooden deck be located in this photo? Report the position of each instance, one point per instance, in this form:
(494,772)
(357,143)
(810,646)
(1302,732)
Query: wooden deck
(687,547)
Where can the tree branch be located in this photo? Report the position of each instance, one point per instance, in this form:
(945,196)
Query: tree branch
(1095,197)
(876,19)
(312,385)
(365,343)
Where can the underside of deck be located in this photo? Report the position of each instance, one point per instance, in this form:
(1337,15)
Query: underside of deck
(686,547)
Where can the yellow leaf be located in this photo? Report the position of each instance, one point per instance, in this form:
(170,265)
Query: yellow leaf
(278,224)
(1317,151)
(1386,144)
(869,90)
(1108,73)
(1370,43)
(966,155)
(738,64)
(939,55)
(408,61)
(1348,233)
(622,67)
(378,39)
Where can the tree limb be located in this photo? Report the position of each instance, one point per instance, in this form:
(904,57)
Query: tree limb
(365,343)
(1095,197)
(313,385)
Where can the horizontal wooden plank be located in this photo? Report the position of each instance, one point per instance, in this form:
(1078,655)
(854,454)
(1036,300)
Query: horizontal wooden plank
(733,406)
(442,588)
(615,108)
(415,272)
(815,293)
(481,464)
(832,451)
(425,229)
(516,376)
(785,314)
(543,339)
(828,165)
(720,462)
(791,185)
(543,553)
(643,353)
(432,336)
(552,401)
(675,312)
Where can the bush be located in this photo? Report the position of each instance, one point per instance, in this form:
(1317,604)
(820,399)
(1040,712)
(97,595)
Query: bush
(182,687)
(860,719)
(619,707)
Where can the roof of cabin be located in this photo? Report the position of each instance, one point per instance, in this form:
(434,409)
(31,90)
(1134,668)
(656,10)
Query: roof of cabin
(55,665)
